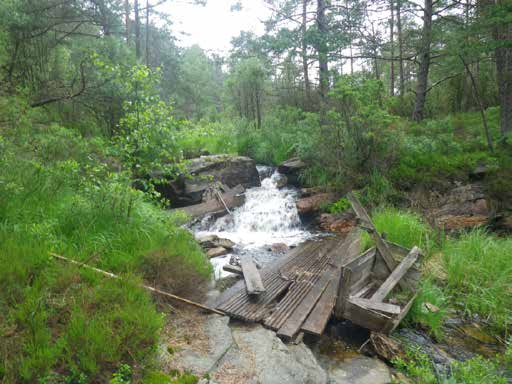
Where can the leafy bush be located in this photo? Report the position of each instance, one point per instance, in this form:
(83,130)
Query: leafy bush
(339,206)
(479,276)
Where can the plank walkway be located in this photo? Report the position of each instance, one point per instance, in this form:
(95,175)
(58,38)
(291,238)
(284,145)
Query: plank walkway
(300,289)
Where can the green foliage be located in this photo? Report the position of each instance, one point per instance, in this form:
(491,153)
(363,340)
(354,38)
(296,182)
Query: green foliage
(418,366)
(123,375)
(61,192)
(339,206)
(479,276)
(421,314)
(404,228)
(204,137)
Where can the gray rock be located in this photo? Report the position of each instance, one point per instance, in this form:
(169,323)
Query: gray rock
(248,354)
(216,252)
(213,241)
(204,171)
(281,181)
(219,342)
(292,169)
(260,351)
(359,370)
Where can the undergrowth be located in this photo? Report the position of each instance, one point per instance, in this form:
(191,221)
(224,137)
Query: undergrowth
(64,324)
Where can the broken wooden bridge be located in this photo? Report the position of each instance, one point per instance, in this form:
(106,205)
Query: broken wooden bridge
(299,292)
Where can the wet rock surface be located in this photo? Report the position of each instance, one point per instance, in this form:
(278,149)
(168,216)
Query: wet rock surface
(312,204)
(292,169)
(465,206)
(339,223)
(227,170)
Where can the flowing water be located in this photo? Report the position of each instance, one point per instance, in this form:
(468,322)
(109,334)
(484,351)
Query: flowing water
(269,216)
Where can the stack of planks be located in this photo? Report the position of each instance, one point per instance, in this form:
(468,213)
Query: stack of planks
(300,288)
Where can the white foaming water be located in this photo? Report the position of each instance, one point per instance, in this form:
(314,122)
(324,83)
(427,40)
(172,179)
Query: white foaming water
(269,216)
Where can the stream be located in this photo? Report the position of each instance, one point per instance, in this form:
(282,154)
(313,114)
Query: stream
(268,217)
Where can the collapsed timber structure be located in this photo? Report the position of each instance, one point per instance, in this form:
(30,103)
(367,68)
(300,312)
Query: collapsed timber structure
(300,292)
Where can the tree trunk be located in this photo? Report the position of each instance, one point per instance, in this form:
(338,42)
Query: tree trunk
(322,49)
(400,46)
(480,104)
(305,68)
(503,53)
(392,49)
(137,30)
(422,81)
(147,33)
(127,10)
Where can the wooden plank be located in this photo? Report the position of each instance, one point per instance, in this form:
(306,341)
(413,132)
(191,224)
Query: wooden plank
(301,311)
(383,248)
(376,305)
(233,269)
(317,320)
(396,275)
(253,283)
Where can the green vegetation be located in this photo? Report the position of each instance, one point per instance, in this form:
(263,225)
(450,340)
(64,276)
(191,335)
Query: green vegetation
(404,228)
(98,106)
(477,370)
(478,270)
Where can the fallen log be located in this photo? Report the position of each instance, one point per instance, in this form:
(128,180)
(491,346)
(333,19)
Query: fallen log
(223,203)
(149,288)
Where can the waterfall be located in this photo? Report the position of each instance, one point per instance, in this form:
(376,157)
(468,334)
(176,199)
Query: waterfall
(268,216)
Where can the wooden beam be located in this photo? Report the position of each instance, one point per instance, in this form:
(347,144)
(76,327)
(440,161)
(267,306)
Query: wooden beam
(396,275)
(233,269)
(376,305)
(152,289)
(253,282)
(383,248)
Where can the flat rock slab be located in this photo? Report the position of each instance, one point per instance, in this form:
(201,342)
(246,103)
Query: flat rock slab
(239,353)
(244,353)
(359,370)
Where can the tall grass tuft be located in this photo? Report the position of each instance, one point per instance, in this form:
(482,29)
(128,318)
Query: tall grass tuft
(479,276)
(402,227)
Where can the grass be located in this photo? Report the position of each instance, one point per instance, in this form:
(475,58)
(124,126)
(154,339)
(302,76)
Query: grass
(417,366)
(479,276)
(402,227)
(60,323)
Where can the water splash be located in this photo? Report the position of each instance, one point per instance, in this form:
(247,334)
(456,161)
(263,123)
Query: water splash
(269,216)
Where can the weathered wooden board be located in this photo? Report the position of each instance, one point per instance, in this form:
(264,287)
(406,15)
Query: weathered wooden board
(301,311)
(367,224)
(233,269)
(252,277)
(376,305)
(395,276)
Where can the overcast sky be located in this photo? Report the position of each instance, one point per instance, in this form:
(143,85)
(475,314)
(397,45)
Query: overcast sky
(213,26)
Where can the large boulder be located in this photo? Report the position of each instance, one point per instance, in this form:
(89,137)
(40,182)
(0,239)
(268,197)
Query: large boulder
(338,223)
(244,353)
(463,207)
(312,204)
(225,171)
(292,169)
